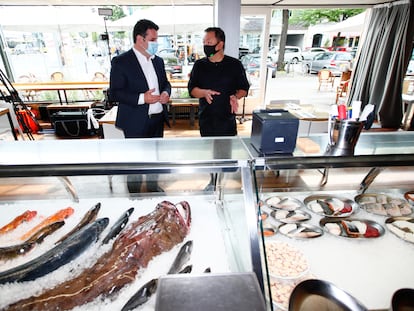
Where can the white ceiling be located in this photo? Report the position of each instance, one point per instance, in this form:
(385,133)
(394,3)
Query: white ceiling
(265,3)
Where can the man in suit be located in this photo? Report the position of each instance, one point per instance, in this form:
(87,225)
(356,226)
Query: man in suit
(138,82)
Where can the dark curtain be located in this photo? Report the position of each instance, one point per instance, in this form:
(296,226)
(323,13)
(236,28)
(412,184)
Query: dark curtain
(383,59)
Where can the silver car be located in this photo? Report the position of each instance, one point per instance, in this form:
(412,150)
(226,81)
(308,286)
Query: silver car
(310,53)
(337,62)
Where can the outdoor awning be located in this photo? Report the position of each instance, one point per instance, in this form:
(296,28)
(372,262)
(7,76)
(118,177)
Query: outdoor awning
(351,24)
(170,19)
(51,18)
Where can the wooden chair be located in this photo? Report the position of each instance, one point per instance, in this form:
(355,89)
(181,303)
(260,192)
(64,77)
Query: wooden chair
(326,77)
(408,86)
(345,76)
(99,76)
(57,76)
(343,87)
(29,95)
(342,90)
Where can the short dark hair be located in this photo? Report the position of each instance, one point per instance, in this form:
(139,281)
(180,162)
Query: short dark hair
(218,33)
(141,28)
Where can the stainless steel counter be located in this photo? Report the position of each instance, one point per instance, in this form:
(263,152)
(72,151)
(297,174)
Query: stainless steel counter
(373,149)
(71,157)
(68,157)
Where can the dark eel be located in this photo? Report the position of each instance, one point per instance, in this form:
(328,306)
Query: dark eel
(118,226)
(149,288)
(89,217)
(149,236)
(13,251)
(57,256)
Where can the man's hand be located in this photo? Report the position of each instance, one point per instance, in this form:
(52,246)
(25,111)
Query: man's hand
(208,95)
(164,98)
(234,103)
(151,98)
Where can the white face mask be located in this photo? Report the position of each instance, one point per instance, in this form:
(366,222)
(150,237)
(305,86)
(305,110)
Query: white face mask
(152,47)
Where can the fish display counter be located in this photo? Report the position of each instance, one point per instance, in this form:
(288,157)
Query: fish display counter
(347,221)
(74,236)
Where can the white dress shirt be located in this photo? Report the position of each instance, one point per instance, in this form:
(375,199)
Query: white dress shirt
(152,80)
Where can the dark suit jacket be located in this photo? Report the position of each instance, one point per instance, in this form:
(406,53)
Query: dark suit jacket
(127,82)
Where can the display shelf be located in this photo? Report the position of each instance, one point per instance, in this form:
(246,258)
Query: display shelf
(225,217)
(31,173)
(369,269)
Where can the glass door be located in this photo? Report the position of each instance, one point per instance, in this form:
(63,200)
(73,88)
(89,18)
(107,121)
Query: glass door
(254,38)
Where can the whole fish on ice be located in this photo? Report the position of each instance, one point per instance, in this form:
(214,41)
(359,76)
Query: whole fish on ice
(149,236)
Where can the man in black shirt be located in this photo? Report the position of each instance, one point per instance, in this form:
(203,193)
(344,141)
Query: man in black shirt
(219,81)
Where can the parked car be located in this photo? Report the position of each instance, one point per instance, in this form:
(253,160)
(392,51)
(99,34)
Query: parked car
(173,65)
(167,53)
(309,53)
(337,62)
(251,63)
(293,54)
(25,48)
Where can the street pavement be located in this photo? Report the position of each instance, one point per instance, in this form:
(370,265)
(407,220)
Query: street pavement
(297,85)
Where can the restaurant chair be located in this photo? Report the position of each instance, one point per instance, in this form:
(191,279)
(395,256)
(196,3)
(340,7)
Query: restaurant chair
(28,95)
(99,76)
(57,76)
(345,76)
(342,90)
(407,103)
(408,86)
(343,87)
(325,77)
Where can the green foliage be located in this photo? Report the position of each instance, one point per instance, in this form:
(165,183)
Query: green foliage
(120,34)
(117,13)
(94,37)
(316,16)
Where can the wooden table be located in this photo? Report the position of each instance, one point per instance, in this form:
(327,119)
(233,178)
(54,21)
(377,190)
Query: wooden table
(62,86)
(6,111)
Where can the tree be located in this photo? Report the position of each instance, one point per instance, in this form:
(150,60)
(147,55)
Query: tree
(283,39)
(316,16)
(117,13)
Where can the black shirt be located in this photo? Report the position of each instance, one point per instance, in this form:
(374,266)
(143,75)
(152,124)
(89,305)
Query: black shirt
(226,77)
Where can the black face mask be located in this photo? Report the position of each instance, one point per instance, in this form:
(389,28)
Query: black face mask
(210,50)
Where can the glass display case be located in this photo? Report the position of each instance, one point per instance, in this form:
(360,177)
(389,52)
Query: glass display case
(48,176)
(314,216)
(347,220)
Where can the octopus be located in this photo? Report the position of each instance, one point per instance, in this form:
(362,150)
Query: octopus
(149,236)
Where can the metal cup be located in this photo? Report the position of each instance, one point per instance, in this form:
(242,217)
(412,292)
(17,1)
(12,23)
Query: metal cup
(343,136)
